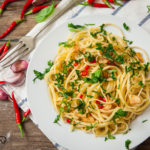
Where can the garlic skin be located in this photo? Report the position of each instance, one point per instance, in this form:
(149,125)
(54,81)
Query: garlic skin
(18,66)
(3,95)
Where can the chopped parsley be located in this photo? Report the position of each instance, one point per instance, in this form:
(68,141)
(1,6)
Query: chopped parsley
(66,44)
(78,74)
(96,77)
(58,116)
(127,144)
(126,27)
(118,114)
(118,101)
(77,28)
(130,42)
(144,121)
(141,84)
(91,126)
(90,58)
(39,75)
(146,67)
(111,137)
(90,96)
(81,106)
(72,85)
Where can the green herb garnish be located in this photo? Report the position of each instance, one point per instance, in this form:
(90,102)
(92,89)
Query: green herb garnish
(144,121)
(39,75)
(91,126)
(125,26)
(45,13)
(118,114)
(66,44)
(127,143)
(141,84)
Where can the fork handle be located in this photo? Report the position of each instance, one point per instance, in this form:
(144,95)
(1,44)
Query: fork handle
(63,6)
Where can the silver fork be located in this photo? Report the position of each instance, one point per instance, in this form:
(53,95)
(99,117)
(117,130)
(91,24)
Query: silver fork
(27,43)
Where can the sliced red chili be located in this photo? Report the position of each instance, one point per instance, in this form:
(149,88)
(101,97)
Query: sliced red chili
(75,64)
(84,73)
(81,96)
(111,63)
(68,120)
(100,106)
(98,102)
(87,67)
(94,61)
(102,98)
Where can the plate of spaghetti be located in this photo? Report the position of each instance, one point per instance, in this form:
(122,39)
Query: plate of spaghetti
(96,90)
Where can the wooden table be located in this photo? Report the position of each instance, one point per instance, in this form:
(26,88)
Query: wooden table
(33,138)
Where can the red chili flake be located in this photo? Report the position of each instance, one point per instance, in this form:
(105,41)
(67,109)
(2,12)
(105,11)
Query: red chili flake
(106,75)
(87,67)
(110,63)
(75,64)
(100,98)
(104,100)
(68,120)
(81,95)
(93,62)
(98,102)
(84,73)
(100,106)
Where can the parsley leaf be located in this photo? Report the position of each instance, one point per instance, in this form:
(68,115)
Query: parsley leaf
(144,121)
(118,101)
(125,26)
(141,84)
(58,116)
(66,44)
(91,126)
(111,137)
(127,143)
(39,75)
(81,106)
(118,114)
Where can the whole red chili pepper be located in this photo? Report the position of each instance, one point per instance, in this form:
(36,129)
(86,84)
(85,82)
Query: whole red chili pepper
(26,114)
(2,82)
(108,4)
(10,28)
(115,2)
(111,1)
(99,5)
(4,4)
(2,48)
(25,7)
(17,114)
(91,1)
(37,9)
(5,50)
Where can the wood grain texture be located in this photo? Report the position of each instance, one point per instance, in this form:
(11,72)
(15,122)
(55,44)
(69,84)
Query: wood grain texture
(33,138)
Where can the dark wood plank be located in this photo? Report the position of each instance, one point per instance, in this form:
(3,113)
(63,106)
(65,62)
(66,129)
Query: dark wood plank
(33,138)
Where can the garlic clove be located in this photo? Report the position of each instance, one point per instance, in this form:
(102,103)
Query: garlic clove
(3,94)
(19,66)
(15,79)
